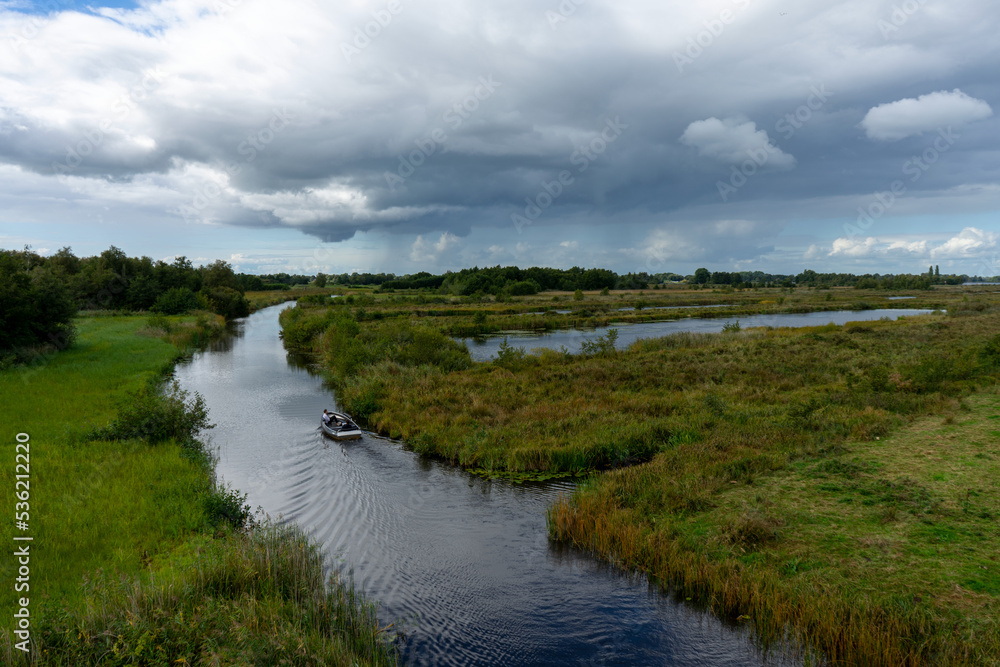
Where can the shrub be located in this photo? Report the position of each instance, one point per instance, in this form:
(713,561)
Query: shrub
(523,288)
(227,302)
(509,356)
(600,346)
(225,505)
(176,301)
(156,416)
(732,327)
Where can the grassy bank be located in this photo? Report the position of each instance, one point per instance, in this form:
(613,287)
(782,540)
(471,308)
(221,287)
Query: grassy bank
(880,552)
(123,556)
(690,422)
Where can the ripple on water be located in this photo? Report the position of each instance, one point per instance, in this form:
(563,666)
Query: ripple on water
(462,563)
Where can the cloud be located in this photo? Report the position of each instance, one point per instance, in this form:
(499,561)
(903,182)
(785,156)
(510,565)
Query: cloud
(971,242)
(194,116)
(854,247)
(425,252)
(906,117)
(732,142)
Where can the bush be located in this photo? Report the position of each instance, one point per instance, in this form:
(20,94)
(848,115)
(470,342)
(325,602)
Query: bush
(156,416)
(523,288)
(227,302)
(226,505)
(989,355)
(508,356)
(600,346)
(176,301)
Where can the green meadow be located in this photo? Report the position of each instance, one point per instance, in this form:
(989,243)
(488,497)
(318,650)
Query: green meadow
(129,563)
(774,475)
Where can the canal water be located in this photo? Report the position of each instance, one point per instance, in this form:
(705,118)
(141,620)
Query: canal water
(483,349)
(462,566)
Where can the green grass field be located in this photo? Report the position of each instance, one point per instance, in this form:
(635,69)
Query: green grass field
(94,504)
(123,558)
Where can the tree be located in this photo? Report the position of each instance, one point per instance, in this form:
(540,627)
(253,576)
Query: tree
(227,302)
(36,309)
(702,276)
(219,274)
(320,280)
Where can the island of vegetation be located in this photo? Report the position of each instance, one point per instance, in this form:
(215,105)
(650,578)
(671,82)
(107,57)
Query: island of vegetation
(836,487)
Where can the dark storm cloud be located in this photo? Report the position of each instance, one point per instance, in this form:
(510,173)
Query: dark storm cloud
(446,116)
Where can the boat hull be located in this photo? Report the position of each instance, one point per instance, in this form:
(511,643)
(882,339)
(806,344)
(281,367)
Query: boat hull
(347,431)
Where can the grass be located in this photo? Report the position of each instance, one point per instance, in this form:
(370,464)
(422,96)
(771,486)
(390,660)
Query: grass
(881,552)
(107,496)
(265,298)
(257,598)
(107,518)
(479,316)
(694,430)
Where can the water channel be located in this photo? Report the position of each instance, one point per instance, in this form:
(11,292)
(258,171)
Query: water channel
(485,348)
(463,565)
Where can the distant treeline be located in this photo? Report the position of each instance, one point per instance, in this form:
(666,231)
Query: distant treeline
(514,281)
(40,295)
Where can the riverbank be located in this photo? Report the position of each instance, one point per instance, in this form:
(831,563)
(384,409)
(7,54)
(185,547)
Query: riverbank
(694,418)
(129,561)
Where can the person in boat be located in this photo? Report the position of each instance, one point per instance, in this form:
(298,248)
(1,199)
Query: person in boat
(326,417)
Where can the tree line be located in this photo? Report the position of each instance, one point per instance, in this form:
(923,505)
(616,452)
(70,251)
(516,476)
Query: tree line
(40,295)
(514,281)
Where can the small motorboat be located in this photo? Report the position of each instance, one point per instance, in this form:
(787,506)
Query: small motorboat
(340,426)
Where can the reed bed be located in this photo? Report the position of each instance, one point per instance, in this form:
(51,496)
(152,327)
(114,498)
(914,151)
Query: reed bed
(256,598)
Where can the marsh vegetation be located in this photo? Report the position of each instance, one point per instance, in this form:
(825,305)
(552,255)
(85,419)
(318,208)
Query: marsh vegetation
(702,440)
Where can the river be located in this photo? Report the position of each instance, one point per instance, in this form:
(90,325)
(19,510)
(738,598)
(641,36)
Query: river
(483,349)
(462,565)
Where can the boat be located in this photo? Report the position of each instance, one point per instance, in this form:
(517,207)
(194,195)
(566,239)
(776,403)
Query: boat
(341,426)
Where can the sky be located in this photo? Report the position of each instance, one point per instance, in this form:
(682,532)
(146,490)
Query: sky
(401,136)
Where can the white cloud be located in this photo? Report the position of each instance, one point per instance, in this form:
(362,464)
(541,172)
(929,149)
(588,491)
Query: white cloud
(570,245)
(971,242)
(914,247)
(424,251)
(733,142)
(854,247)
(938,110)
